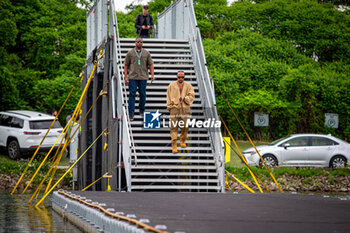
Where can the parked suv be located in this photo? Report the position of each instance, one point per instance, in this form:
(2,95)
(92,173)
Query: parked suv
(22,131)
(301,150)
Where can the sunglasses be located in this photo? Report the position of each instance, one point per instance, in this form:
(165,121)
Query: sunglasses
(139,41)
(180,76)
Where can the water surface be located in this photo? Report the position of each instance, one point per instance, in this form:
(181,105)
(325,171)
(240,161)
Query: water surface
(17,216)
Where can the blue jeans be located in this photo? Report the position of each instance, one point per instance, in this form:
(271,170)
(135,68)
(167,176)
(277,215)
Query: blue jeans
(133,85)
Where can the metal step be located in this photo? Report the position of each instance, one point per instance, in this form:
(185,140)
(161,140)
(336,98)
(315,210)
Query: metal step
(167,82)
(164,82)
(157,50)
(148,45)
(198,167)
(169,148)
(182,187)
(154,40)
(164,88)
(211,174)
(155,93)
(156,134)
(136,180)
(174,161)
(163,105)
(171,60)
(167,76)
(152,141)
(159,99)
(168,60)
(177,66)
(173,71)
(166,56)
(178,154)
(173,66)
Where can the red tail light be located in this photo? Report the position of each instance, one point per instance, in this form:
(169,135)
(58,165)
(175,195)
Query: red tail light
(32,133)
(60,131)
(34,146)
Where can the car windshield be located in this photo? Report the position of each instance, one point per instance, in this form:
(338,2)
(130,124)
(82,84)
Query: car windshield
(276,142)
(44,124)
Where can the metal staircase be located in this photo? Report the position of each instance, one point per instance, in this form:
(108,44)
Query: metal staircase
(148,162)
(193,168)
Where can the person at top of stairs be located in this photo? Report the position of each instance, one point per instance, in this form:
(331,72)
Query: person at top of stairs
(144,23)
(137,62)
(180,95)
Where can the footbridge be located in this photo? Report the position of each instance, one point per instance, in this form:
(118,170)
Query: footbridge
(141,159)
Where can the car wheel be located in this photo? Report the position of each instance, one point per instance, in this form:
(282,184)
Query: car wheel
(270,161)
(337,162)
(13,150)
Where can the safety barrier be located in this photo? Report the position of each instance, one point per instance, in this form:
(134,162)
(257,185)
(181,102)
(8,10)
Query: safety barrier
(96,216)
(120,103)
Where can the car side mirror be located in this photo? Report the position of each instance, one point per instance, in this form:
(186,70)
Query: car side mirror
(286,145)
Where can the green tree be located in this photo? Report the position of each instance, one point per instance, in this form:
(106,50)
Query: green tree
(41,41)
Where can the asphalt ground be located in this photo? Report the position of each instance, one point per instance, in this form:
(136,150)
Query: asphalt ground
(217,212)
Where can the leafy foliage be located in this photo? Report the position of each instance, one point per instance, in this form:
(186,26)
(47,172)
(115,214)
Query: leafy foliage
(41,42)
(259,74)
(317,30)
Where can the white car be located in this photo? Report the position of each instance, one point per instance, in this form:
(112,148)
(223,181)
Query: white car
(22,131)
(302,150)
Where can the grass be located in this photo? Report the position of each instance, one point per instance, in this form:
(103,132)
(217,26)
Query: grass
(309,173)
(9,166)
(13,167)
(242,145)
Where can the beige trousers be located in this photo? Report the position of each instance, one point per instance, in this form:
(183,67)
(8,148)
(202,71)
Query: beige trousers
(176,116)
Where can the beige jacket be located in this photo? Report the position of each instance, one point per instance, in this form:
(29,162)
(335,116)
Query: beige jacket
(173,96)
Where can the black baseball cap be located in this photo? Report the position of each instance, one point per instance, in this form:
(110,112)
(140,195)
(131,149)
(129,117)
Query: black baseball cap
(145,7)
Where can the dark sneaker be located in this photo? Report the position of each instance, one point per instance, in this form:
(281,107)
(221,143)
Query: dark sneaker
(131,118)
(141,113)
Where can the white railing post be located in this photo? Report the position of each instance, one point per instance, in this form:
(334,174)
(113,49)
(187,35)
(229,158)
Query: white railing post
(127,140)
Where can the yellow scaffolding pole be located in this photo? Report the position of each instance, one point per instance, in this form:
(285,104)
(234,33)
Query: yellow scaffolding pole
(42,181)
(42,163)
(250,140)
(241,157)
(240,154)
(98,179)
(243,184)
(37,149)
(70,168)
(68,141)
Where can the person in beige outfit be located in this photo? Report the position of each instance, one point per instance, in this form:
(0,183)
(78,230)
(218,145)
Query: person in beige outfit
(180,95)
